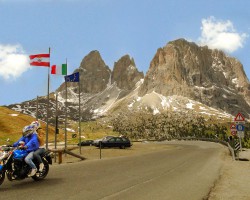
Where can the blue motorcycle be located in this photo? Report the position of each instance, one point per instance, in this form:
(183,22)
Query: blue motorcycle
(12,164)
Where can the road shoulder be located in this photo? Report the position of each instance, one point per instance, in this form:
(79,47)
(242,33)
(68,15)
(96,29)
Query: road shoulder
(234,180)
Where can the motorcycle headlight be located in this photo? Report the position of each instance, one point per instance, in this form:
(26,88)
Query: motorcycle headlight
(3,155)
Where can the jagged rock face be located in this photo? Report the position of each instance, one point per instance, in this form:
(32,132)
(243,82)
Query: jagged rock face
(98,91)
(95,74)
(125,73)
(209,76)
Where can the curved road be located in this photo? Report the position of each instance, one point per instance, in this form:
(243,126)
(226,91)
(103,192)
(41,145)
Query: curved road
(185,172)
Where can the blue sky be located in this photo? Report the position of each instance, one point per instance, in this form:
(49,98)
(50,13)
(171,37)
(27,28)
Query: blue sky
(73,28)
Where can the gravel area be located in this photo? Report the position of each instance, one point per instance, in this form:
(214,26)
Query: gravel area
(234,180)
(92,153)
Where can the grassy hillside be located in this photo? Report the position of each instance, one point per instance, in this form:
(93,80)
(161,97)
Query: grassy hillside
(12,123)
(95,129)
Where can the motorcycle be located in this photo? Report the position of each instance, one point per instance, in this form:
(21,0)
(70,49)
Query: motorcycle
(12,164)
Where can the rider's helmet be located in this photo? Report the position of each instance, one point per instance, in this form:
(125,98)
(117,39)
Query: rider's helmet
(36,125)
(28,130)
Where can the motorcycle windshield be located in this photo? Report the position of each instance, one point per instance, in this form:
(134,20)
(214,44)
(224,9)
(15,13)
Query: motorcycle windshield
(19,154)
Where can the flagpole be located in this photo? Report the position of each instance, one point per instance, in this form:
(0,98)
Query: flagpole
(56,129)
(47,119)
(80,146)
(65,128)
(36,107)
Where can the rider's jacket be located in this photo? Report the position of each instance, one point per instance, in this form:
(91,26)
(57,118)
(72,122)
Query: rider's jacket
(31,142)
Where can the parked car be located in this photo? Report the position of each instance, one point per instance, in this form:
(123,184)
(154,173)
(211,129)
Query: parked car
(97,141)
(120,142)
(86,143)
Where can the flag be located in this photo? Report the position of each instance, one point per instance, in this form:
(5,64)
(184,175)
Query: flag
(59,69)
(40,60)
(72,78)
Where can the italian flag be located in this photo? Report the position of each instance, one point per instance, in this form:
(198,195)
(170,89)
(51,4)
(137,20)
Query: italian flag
(59,69)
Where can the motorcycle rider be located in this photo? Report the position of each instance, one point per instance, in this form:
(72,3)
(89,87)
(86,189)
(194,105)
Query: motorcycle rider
(29,142)
(41,150)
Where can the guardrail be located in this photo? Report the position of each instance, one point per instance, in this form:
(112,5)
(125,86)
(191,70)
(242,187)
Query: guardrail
(231,150)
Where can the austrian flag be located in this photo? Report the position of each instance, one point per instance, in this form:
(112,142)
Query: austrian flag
(40,60)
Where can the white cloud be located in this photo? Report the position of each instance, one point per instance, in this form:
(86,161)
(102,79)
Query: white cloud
(218,34)
(13,61)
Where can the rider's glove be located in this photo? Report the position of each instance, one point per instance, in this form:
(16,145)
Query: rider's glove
(22,147)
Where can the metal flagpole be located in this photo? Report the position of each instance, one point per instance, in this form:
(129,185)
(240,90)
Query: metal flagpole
(47,119)
(56,131)
(80,146)
(36,107)
(65,131)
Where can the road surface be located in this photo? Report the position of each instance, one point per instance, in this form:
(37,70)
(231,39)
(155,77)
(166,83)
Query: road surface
(188,171)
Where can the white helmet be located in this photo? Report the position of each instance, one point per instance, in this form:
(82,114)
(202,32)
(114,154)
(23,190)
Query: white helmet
(36,125)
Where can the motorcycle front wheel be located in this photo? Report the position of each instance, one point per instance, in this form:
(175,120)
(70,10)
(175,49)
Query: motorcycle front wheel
(2,177)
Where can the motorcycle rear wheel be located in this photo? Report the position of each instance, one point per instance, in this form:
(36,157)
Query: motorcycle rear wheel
(41,175)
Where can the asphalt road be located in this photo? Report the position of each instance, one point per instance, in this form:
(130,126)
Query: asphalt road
(186,172)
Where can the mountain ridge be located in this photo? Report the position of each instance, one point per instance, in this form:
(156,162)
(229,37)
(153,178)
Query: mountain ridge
(180,69)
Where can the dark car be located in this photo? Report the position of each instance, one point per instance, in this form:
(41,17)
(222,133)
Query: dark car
(97,141)
(86,143)
(120,142)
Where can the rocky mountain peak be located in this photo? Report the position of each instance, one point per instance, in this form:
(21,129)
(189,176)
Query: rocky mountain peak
(125,73)
(209,76)
(94,73)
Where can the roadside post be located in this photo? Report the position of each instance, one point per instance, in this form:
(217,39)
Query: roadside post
(230,145)
(240,133)
(240,121)
(100,147)
(237,132)
(237,148)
